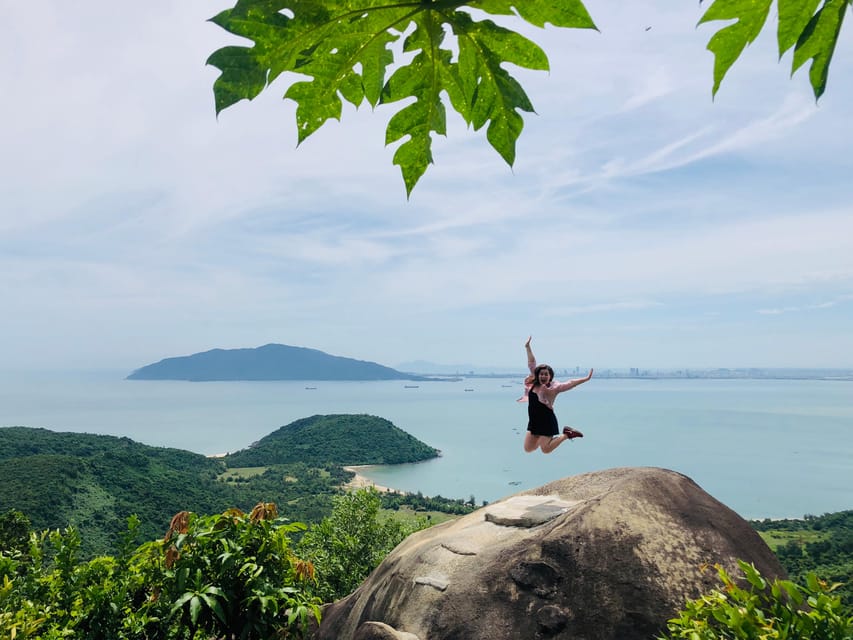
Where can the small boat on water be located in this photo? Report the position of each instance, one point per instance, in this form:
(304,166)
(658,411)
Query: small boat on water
(468,389)
(310,387)
(411,386)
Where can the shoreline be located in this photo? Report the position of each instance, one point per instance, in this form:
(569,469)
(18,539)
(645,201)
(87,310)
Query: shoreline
(360,482)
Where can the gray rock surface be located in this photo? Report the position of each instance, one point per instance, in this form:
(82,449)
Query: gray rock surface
(609,555)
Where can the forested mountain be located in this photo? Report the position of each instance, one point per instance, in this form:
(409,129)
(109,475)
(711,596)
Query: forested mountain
(270,362)
(343,439)
(95,482)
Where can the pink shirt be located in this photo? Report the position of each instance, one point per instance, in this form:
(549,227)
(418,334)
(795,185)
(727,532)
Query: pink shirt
(548,394)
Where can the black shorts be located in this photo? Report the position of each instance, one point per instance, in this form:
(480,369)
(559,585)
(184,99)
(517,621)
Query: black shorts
(544,425)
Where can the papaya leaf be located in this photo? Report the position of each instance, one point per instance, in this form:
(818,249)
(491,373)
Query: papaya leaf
(817,43)
(794,15)
(342,51)
(730,41)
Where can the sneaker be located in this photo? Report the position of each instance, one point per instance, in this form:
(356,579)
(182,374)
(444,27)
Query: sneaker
(572,433)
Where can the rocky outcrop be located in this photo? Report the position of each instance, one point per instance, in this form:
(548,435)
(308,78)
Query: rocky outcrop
(609,555)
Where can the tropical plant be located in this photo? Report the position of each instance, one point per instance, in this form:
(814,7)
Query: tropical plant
(231,576)
(346,546)
(778,610)
(226,576)
(426,54)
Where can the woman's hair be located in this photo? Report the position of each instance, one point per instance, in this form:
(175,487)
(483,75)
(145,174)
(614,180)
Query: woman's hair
(536,371)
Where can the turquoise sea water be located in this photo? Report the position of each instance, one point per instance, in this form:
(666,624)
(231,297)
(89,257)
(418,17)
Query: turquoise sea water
(766,448)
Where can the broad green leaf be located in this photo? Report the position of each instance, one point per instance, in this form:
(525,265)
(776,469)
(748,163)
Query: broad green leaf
(730,41)
(342,50)
(817,43)
(214,605)
(426,115)
(794,15)
(195,608)
(560,13)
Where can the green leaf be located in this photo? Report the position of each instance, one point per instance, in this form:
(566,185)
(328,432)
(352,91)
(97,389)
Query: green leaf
(341,50)
(817,43)
(214,605)
(565,13)
(181,601)
(195,608)
(794,15)
(426,114)
(730,41)
(753,576)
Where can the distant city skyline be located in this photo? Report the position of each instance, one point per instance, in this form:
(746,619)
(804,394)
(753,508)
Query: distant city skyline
(643,224)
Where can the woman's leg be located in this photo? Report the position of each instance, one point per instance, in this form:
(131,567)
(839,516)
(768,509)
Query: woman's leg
(546,443)
(552,443)
(531,442)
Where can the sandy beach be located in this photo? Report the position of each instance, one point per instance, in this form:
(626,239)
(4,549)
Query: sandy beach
(359,481)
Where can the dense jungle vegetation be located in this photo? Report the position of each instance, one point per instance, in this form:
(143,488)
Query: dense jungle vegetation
(95,482)
(82,550)
(232,575)
(819,544)
(259,576)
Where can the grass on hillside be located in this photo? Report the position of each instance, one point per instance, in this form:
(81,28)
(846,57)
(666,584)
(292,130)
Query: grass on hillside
(776,539)
(241,472)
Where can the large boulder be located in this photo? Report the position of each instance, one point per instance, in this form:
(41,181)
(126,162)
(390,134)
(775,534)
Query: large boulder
(609,555)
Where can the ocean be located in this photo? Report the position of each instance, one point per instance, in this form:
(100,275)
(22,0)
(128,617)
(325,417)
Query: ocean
(765,448)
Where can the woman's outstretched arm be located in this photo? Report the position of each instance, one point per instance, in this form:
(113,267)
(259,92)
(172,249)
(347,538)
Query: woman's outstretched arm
(559,387)
(531,359)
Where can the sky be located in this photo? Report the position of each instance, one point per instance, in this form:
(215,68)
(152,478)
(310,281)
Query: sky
(643,224)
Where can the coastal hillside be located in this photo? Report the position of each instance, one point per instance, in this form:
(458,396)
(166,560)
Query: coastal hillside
(269,362)
(95,482)
(342,439)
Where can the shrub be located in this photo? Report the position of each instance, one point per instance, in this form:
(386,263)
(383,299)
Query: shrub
(346,546)
(778,610)
(225,576)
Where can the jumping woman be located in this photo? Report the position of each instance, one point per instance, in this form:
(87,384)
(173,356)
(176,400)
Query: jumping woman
(543,431)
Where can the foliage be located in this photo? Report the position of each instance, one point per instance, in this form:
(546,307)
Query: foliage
(339,438)
(781,610)
(427,54)
(231,576)
(418,502)
(15,529)
(819,544)
(810,27)
(96,482)
(349,544)
(344,47)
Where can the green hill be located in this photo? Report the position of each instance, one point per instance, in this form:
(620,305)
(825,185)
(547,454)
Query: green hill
(95,482)
(341,439)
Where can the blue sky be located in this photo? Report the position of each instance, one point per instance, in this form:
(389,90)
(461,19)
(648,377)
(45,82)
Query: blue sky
(643,224)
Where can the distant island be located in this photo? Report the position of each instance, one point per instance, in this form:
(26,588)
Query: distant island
(269,362)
